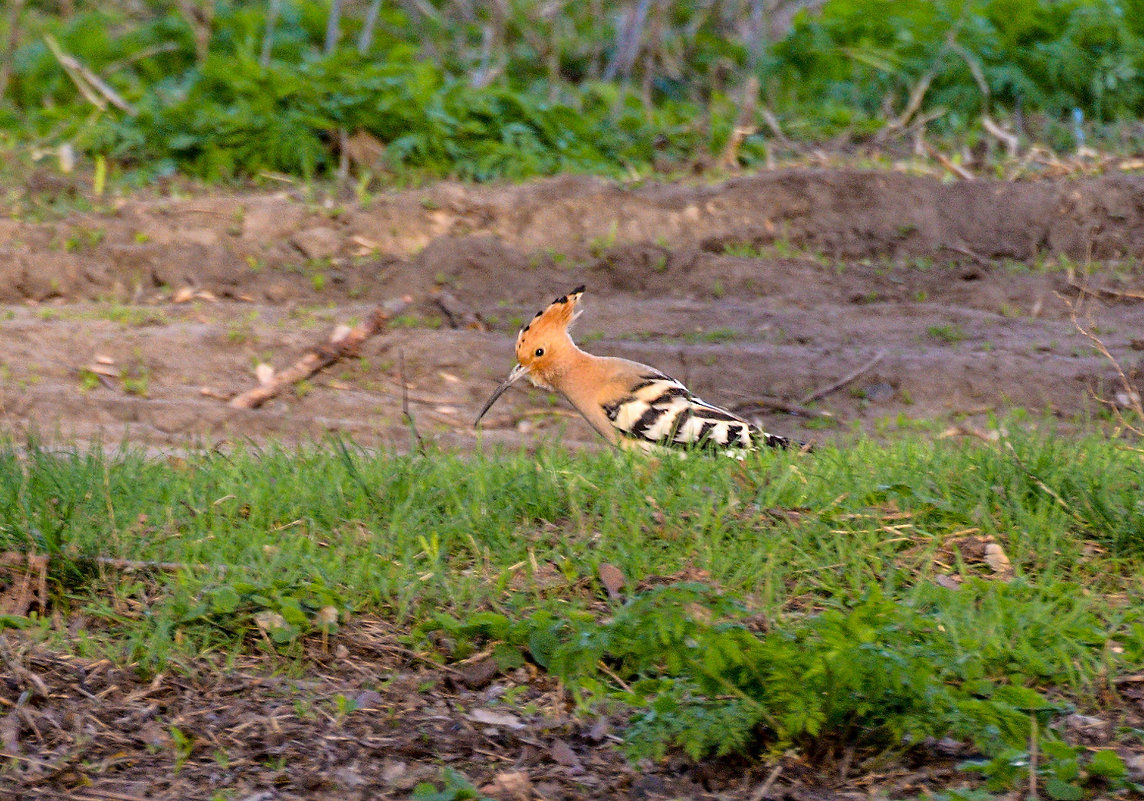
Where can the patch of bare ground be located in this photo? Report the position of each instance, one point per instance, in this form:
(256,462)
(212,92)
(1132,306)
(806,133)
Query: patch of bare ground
(139,321)
(369,719)
(365,722)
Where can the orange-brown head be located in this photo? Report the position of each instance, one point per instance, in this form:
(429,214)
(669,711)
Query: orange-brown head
(542,346)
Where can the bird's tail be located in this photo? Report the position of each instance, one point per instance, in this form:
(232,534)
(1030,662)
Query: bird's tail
(775,441)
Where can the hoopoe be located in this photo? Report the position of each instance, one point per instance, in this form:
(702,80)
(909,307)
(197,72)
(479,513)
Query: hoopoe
(628,403)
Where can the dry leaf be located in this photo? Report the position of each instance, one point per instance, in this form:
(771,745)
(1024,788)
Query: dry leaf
(264,373)
(490,718)
(509,785)
(269,621)
(326,616)
(10,732)
(183,294)
(477,672)
(340,332)
(563,753)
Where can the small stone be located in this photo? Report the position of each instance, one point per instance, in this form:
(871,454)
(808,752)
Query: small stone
(317,243)
(563,754)
(997,560)
(612,578)
(368,699)
(509,785)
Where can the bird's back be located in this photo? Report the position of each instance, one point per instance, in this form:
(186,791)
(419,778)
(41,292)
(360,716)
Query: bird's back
(648,407)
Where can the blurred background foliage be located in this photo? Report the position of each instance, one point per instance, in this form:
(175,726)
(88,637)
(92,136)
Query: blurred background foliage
(512,88)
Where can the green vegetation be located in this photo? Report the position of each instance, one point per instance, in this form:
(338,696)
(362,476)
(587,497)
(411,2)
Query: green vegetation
(949,334)
(483,91)
(852,558)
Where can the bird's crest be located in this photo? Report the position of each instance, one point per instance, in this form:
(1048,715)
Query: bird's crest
(559,314)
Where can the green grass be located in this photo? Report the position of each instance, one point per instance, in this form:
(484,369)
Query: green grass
(833,549)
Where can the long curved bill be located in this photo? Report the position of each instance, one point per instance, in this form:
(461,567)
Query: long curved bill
(517,373)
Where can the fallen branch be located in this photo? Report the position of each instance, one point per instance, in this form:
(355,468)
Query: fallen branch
(341,343)
(405,414)
(917,95)
(14,10)
(1131,395)
(1007,138)
(776,128)
(744,125)
(949,164)
(780,405)
(819,394)
(977,257)
(1115,294)
(87,81)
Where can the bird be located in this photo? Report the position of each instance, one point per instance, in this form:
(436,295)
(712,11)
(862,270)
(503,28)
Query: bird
(629,404)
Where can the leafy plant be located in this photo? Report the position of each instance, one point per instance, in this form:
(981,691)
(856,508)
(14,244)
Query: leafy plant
(283,611)
(874,675)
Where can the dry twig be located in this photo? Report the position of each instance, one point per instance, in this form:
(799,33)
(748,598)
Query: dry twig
(405,414)
(744,125)
(917,95)
(764,790)
(818,394)
(1131,394)
(323,355)
(90,85)
(14,10)
(1104,292)
(779,405)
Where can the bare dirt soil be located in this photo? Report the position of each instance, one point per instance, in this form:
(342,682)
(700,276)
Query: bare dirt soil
(760,288)
(137,322)
(367,724)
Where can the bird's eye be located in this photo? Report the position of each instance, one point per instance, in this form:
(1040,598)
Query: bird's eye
(539,352)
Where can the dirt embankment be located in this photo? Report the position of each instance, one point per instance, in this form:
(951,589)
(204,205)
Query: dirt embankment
(772,286)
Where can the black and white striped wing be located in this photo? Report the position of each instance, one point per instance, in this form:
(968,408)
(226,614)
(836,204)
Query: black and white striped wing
(661,411)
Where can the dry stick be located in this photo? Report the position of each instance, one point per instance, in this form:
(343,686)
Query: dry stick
(87,81)
(780,405)
(120,564)
(744,125)
(333,26)
(946,162)
(405,415)
(165,567)
(773,123)
(492,45)
(268,36)
(977,257)
(13,39)
(837,385)
(917,95)
(323,355)
(1104,292)
(1007,138)
(140,55)
(1032,755)
(764,790)
(1129,388)
(365,41)
(628,42)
